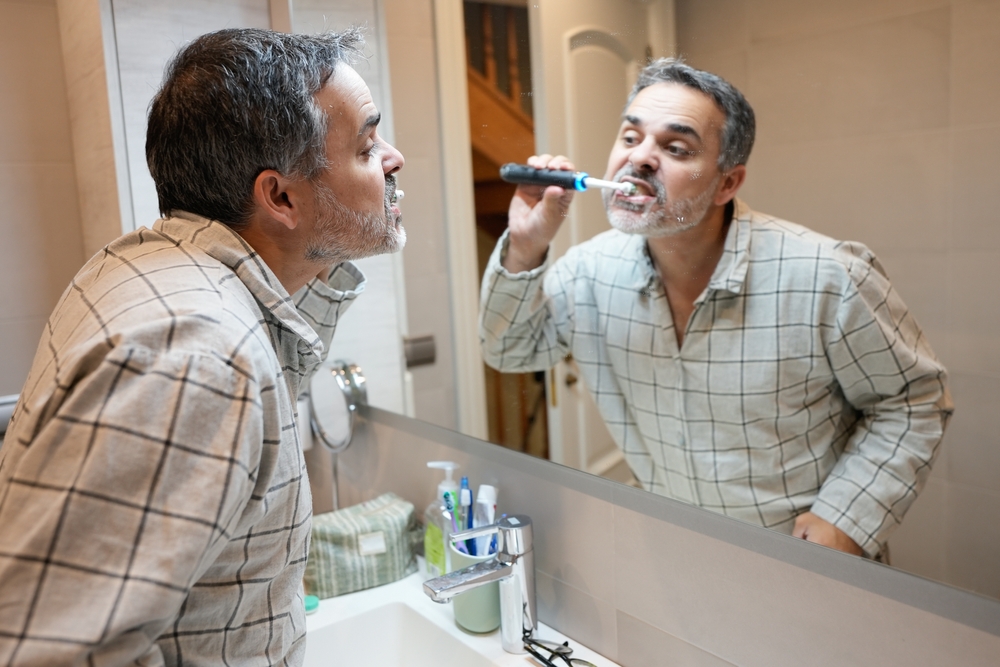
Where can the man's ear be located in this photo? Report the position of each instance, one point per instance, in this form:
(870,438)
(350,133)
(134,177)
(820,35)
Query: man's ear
(730,184)
(279,197)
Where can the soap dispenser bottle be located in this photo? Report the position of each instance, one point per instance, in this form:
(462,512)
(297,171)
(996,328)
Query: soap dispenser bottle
(437,522)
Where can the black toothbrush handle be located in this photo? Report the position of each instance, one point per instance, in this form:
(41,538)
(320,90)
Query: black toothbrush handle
(523,174)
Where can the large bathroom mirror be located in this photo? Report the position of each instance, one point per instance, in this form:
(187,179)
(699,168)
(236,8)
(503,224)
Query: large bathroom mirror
(878,121)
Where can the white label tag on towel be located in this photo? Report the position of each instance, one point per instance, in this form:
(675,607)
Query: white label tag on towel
(371,544)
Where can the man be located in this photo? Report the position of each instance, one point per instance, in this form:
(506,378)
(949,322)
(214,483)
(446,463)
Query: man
(742,363)
(154,507)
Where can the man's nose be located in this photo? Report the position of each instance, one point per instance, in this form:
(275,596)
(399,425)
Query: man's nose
(643,157)
(392,161)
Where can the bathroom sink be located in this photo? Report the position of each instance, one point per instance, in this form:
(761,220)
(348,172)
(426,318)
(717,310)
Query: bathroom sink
(398,625)
(393,634)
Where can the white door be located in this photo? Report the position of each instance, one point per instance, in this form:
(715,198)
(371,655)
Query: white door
(586,55)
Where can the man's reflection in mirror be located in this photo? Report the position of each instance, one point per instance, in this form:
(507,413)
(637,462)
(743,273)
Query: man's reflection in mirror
(743,363)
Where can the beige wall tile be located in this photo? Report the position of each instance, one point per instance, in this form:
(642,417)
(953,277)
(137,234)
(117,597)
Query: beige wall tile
(974,313)
(576,614)
(704,26)
(574,538)
(33,112)
(975,62)
(974,540)
(975,195)
(642,645)
(890,192)
(918,545)
(888,76)
(777,18)
(18,340)
(42,246)
(972,445)
(741,605)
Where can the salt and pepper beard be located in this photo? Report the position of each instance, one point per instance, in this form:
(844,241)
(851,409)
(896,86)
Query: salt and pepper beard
(663,220)
(343,234)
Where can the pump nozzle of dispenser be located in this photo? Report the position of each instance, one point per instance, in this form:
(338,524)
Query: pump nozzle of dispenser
(449,467)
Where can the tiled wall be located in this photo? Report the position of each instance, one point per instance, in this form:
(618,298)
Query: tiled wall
(647,581)
(879,121)
(41,245)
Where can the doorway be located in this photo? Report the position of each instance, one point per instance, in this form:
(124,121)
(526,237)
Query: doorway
(498,60)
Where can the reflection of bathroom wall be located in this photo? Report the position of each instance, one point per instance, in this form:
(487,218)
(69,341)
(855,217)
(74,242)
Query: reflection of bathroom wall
(880,122)
(411,49)
(41,245)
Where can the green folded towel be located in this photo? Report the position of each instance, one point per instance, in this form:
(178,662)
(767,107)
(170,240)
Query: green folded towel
(362,546)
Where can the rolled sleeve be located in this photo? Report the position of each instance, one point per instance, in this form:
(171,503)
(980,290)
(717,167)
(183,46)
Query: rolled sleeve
(524,322)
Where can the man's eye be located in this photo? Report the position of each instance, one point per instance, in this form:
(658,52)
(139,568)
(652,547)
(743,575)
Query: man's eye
(679,151)
(370,152)
(630,140)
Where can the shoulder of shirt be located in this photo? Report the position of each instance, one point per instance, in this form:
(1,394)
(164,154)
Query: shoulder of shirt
(770,235)
(152,283)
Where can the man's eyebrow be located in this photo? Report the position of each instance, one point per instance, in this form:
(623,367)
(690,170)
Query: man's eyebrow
(370,122)
(680,128)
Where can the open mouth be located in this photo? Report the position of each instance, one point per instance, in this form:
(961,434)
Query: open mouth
(646,194)
(642,188)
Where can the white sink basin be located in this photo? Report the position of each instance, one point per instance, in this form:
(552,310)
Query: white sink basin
(397,625)
(393,634)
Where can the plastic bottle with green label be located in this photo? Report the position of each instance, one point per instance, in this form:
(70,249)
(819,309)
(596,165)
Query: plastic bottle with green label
(437,523)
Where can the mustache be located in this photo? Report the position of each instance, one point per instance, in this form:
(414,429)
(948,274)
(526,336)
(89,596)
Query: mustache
(390,188)
(655,185)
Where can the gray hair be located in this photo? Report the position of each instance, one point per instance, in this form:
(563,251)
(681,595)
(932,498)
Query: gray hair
(736,138)
(234,103)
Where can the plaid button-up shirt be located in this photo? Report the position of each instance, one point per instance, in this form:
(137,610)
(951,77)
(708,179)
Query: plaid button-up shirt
(803,382)
(154,506)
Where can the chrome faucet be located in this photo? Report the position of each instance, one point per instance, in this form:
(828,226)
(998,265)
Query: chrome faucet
(513,566)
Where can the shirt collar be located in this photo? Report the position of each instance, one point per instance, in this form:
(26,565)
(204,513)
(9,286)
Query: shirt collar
(220,242)
(730,272)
